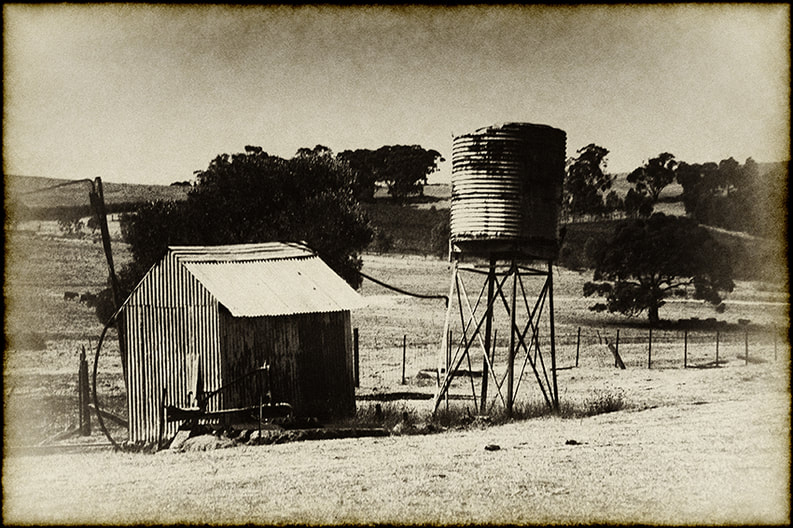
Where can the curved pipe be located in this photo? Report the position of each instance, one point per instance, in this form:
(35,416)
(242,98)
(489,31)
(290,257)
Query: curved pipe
(96,368)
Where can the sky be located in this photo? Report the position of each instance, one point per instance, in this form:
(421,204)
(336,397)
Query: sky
(152,93)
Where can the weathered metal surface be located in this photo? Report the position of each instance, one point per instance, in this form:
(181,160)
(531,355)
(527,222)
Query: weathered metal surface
(288,286)
(310,357)
(507,189)
(169,316)
(174,316)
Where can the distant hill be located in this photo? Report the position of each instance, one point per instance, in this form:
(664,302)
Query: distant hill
(33,197)
(35,191)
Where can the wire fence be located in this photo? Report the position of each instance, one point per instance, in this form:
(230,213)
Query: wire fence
(630,348)
(656,348)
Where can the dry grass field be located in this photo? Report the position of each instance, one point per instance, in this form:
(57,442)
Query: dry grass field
(690,446)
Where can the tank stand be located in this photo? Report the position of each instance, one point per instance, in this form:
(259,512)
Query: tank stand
(472,332)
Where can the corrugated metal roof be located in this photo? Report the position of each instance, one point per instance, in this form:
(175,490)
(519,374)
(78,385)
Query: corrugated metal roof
(271,279)
(236,252)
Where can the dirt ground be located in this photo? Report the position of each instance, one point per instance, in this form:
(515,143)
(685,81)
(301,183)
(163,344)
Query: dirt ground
(694,446)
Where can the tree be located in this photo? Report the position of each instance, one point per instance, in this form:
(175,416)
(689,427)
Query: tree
(319,150)
(650,259)
(614,202)
(586,183)
(364,165)
(403,169)
(253,197)
(637,204)
(700,183)
(731,195)
(654,176)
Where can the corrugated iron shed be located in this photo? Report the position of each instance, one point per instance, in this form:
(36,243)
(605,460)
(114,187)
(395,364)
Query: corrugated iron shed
(223,310)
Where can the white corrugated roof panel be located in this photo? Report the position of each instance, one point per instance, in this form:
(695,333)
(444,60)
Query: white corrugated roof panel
(266,250)
(269,279)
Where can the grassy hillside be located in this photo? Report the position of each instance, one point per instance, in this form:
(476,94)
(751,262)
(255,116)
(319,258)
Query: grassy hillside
(407,227)
(33,197)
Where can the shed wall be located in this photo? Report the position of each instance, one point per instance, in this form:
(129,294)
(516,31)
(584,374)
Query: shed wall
(170,318)
(310,357)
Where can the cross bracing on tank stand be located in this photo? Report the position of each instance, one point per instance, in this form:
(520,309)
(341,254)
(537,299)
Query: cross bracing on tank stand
(503,299)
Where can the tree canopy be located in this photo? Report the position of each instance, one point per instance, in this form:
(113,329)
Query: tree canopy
(254,197)
(734,196)
(402,168)
(364,164)
(647,183)
(650,259)
(586,183)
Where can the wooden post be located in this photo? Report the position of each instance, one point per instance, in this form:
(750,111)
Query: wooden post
(717,348)
(84,398)
(685,349)
(617,349)
(96,197)
(404,342)
(650,350)
(356,357)
(80,403)
(577,346)
(746,344)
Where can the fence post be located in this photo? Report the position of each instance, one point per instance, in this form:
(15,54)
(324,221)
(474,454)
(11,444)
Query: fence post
(83,391)
(650,349)
(746,344)
(80,402)
(685,349)
(404,340)
(577,346)
(356,357)
(717,348)
(617,349)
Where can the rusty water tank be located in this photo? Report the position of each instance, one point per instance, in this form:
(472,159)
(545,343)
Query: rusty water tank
(507,191)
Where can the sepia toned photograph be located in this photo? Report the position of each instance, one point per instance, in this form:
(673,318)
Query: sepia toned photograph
(396,264)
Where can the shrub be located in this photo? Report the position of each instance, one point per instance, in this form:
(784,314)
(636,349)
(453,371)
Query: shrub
(599,402)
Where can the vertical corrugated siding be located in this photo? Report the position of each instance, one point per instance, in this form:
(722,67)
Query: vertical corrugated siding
(169,316)
(247,343)
(310,357)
